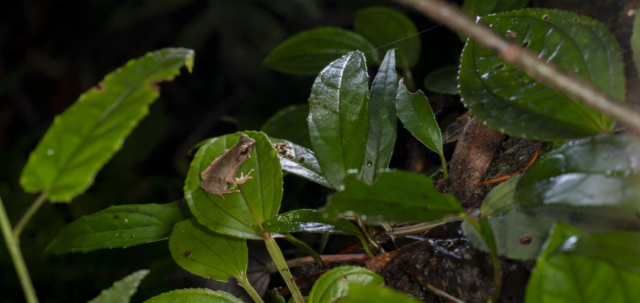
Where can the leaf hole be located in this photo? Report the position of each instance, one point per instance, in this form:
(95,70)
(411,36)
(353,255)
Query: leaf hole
(545,17)
(187,253)
(526,44)
(526,239)
(498,67)
(575,20)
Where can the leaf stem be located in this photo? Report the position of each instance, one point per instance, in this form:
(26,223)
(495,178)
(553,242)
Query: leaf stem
(250,290)
(326,258)
(293,240)
(16,257)
(366,234)
(529,61)
(490,243)
(421,227)
(444,166)
(22,223)
(281,264)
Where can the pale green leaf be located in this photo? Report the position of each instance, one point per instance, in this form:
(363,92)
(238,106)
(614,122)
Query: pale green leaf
(122,290)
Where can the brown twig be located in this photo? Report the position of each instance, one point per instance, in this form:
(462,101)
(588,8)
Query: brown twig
(326,258)
(529,61)
(507,177)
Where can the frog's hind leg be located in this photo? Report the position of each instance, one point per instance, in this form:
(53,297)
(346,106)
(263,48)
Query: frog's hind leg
(228,191)
(242,178)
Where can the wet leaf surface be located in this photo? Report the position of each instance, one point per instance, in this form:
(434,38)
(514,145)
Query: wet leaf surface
(194,295)
(336,282)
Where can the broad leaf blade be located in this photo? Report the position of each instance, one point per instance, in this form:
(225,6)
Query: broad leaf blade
(501,199)
(290,123)
(567,273)
(311,221)
(395,197)
(375,294)
(263,193)
(506,99)
(486,7)
(416,115)
(119,226)
(199,295)
(338,118)
(299,161)
(335,283)
(382,118)
(388,29)
(310,51)
(443,81)
(84,137)
(122,290)
(208,254)
(635,41)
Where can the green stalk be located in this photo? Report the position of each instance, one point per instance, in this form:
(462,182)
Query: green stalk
(293,240)
(491,245)
(281,264)
(16,257)
(250,290)
(444,166)
(30,212)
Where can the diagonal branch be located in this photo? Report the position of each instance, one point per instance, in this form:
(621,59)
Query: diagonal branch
(529,61)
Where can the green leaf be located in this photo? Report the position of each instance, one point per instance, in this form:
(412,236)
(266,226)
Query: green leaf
(259,196)
(375,294)
(507,99)
(335,283)
(122,290)
(382,118)
(84,137)
(486,7)
(299,161)
(290,123)
(309,52)
(311,221)
(119,226)
(578,267)
(443,80)
(415,113)
(501,199)
(207,254)
(396,196)
(635,41)
(387,29)
(338,118)
(195,295)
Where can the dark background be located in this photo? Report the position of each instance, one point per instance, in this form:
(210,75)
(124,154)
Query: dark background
(52,51)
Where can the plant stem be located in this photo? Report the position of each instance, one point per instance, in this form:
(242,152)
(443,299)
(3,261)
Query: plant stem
(490,244)
(16,257)
(280,262)
(366,234)
(529,61)
(250,290)
(421,227)
(325,258)
(30,212)
(444,166)
(293,240)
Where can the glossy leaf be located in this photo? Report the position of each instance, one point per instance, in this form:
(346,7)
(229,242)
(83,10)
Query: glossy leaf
(375,294)
(416,115)
(290,123)
(311,221)
(396,196)
(443,81)
(207,254)
(382,118)
(263,193)
(84,137)
(197,295)
(387,29)
(119,226)
(486,7)
(567,272)
(338,117)
(506,99)
(310,51)
(335,283)
(299,161)
(122,290)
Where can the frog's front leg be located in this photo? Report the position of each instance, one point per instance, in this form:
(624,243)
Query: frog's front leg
(240,180)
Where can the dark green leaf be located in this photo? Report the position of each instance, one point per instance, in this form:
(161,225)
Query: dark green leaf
(338,118)
(335,283)
(415,113)
(84,137)
(507,99)
(195,295)
(119,226)
(311,221)
(635,41)
(122,290)
(382,118)
(396,196)
(375,294)
(207,254)
(299,161)
(387,29)
(569,270)
(290,123)
(263,193)
(310,51)
(486,7)
(443,80)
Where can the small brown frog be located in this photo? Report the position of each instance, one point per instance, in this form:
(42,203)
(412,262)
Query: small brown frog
(223,169)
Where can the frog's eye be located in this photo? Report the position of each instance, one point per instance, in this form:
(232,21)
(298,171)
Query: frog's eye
(244,148)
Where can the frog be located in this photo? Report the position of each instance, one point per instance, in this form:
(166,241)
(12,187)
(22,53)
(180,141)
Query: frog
(223,169)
